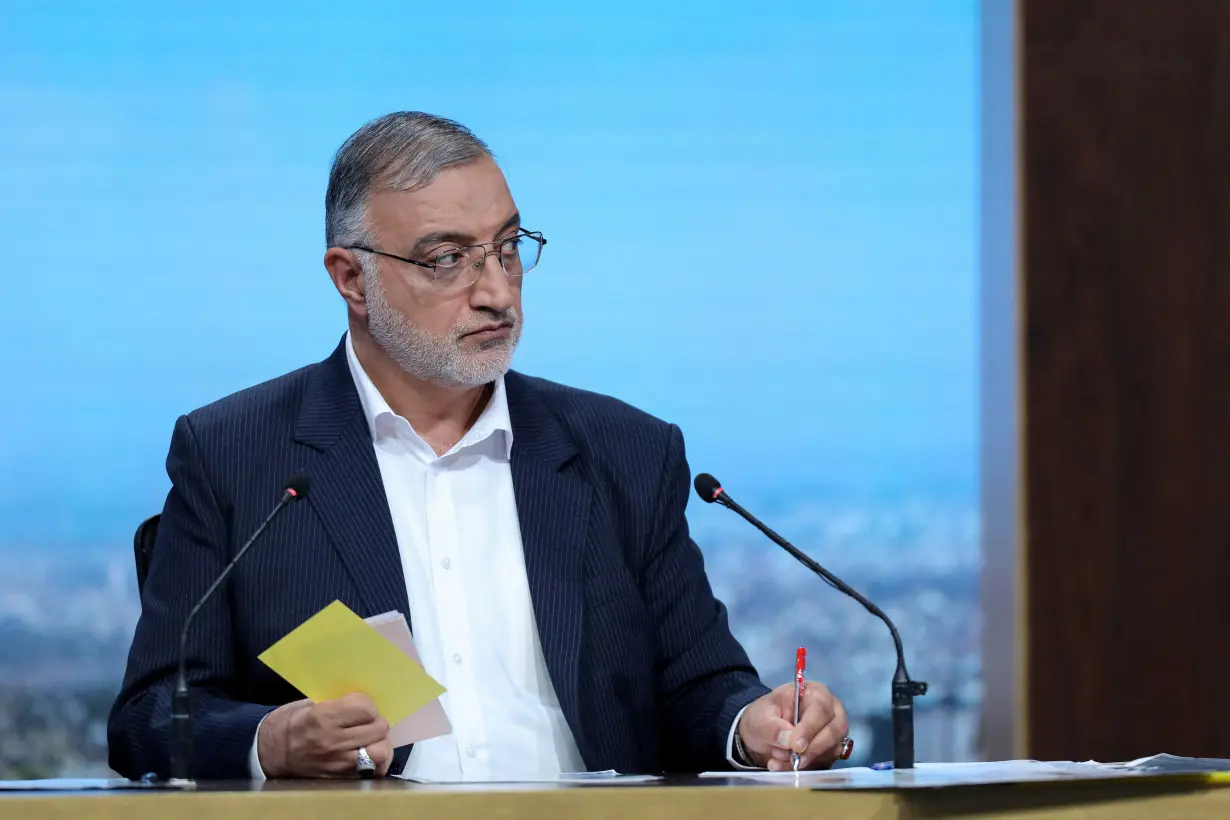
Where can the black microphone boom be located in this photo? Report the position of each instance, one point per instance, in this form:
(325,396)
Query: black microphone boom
(181,714)
(904,689)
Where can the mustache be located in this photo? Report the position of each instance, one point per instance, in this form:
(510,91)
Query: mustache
(486,319)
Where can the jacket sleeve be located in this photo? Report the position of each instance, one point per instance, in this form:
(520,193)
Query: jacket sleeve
(705,678)
(191,549)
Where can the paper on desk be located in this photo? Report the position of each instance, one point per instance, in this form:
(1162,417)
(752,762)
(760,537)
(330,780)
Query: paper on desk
(335,653)
(608,776)
(72,784)
(1174,764)
(938,775)
(427,722)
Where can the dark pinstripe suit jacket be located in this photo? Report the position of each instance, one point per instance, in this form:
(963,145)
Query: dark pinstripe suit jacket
(645,667)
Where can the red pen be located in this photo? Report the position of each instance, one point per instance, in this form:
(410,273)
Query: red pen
(800,683)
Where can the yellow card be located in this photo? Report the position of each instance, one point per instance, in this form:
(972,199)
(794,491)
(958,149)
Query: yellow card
(335,653)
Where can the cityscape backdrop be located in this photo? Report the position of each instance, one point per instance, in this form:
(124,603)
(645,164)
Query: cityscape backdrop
(762,227)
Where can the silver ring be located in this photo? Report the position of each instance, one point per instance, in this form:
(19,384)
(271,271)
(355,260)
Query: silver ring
(365,765)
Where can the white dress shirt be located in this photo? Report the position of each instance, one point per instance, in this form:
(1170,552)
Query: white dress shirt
(455,518)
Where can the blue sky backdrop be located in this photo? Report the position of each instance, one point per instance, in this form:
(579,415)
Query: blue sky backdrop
(761,219)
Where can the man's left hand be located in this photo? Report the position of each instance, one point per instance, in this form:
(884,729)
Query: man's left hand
(769,736)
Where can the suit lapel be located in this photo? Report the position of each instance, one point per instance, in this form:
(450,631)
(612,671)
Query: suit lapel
(347,490)
(553,503)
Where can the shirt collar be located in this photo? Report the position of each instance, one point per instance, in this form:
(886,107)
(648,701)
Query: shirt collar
(381,420)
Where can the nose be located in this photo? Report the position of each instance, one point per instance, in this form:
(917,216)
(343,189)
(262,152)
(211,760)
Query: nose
(493,288)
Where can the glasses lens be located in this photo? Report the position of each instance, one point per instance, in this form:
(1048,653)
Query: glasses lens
(451,267)
(528,251)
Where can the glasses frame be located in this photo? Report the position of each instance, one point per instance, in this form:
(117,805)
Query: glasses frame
(479,264)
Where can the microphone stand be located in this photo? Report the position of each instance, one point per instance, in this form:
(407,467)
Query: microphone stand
(904,689)
(181,712)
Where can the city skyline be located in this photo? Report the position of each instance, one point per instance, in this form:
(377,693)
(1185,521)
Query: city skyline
(65,621)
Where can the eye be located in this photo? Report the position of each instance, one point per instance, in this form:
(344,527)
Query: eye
(449,259)
(511,246)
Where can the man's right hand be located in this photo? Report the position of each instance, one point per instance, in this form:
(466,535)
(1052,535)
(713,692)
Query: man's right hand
(310,740)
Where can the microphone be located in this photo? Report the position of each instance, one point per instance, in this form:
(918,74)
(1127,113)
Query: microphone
(181,717)
(904,689)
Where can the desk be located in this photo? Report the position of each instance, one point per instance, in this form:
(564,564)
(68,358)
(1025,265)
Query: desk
(675,799)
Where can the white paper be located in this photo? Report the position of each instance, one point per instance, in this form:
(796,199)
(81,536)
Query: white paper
(760,774)
(1174,764)
(430,720)
(936,775)
(71,784)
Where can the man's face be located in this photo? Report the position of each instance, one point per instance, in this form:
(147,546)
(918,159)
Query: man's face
(446,334)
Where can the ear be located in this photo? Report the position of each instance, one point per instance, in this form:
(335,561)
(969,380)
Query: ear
(347,275)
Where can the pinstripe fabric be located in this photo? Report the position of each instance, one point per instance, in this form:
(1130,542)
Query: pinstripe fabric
(639,651)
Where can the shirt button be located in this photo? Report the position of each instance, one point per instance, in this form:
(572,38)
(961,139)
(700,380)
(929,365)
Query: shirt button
(457,659)
(446,563)
(471,753)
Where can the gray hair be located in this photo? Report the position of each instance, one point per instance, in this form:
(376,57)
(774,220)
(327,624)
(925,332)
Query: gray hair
(403,151)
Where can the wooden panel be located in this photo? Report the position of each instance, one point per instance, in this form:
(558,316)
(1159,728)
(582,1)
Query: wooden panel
(1126,288)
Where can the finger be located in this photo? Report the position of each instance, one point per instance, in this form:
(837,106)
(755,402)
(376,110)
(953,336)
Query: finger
(841,718)
(824,748)
(354,709)
(344,762)
(841,723)
(341,763)
(352,737)
(818,712)
(778,753)
(382,755)
(774,732)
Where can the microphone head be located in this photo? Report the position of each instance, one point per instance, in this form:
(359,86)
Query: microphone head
(708,488)
(298,486)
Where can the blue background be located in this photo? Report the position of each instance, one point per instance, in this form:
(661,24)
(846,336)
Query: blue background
(762,227)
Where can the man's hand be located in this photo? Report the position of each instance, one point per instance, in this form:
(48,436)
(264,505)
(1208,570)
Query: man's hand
(305,739)
(769,737)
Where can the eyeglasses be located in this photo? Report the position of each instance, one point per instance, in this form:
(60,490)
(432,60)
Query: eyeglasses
(457,268)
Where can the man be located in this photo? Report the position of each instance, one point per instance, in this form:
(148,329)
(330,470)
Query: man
(533,534)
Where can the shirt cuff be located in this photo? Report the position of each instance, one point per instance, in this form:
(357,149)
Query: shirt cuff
(255,770)
(730,744)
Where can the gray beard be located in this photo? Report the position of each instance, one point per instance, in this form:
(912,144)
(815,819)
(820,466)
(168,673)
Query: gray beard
(438,360)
